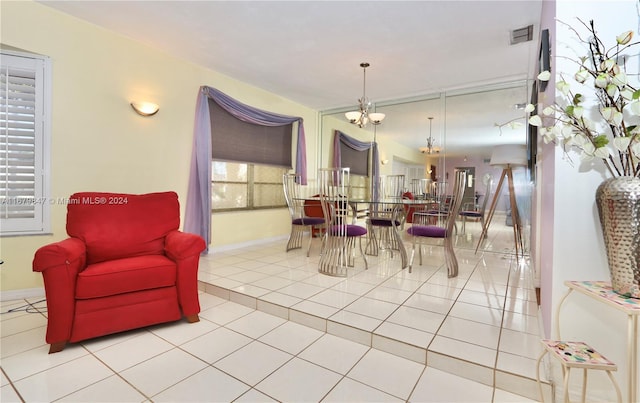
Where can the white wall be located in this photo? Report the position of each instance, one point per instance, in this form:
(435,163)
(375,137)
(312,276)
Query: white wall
(576,250)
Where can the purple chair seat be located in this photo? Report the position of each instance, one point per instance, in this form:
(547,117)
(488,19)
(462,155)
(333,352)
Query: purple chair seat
(430,231)
(351,230)
(308,221)
(470,213)
(383,222)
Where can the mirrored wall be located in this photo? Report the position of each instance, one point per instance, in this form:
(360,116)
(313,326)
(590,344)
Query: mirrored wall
(467,124)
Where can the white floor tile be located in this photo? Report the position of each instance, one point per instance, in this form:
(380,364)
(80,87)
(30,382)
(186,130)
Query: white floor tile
(255,324)
(62,380)
(348,390)
(156,374)
(253,362)
(334,353)
(439,386)
(372,307)
(182,331)
(225,313)
(299,381)
(114,389)
(385,371)
(216,345)
(291,337)
(470,332)
(417,319)
(133,351)
(208,385)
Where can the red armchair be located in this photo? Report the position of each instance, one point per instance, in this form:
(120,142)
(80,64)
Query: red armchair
(125,265)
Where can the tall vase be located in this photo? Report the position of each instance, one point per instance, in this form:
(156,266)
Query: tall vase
(618,201)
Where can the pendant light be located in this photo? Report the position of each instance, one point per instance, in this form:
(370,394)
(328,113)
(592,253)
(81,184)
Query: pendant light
(362,116)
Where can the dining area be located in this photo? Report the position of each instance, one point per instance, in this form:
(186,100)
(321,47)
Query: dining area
(353,227)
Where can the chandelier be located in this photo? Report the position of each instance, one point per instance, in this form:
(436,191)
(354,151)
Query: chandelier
(363,116)
(430,148)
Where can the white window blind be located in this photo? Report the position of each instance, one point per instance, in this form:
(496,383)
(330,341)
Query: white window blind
(24,198)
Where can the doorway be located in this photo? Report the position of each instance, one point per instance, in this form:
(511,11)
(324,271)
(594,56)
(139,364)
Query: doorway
(469,198)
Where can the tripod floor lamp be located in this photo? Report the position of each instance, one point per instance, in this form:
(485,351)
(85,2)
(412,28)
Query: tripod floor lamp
(507,156)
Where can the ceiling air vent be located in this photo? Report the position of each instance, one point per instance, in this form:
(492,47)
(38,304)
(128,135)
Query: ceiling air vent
(522,35)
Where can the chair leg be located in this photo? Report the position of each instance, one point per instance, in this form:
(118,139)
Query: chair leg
(295,239)
(372,243)
(57,347)
(310,239)
(193,318)
(450,257)
(366,265)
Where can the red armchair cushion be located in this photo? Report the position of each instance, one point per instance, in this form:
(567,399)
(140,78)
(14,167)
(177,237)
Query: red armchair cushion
(115,226)
(125,275)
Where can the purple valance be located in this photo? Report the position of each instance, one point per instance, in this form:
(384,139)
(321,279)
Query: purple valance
(357,145)
(198,207)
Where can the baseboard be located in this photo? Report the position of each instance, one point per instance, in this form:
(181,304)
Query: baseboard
(224,248)
(21,294)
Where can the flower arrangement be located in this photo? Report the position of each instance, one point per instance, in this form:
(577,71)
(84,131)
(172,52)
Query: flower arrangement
(609,133)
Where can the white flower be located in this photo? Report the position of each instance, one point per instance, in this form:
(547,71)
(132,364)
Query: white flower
(564,87)
(535,121)
(602,80)
(606,112)
(602,152)
(566,131)
(581,76)
(617,118)
(612,90)
(548,134)
(529,108)
(620,79)
(635,149)
(626,93)
(635,108)
(607,64)
(624,37)
(578,111)
(622,143)
(544,76)
(548,111)
(587,152)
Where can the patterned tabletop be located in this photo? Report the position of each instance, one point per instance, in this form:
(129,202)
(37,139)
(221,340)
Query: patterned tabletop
(579,354)
(603,291)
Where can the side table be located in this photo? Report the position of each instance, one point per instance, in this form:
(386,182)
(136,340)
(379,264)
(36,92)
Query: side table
(601,291)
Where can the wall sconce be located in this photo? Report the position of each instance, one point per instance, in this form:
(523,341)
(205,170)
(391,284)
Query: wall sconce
(384,162)
(145,108)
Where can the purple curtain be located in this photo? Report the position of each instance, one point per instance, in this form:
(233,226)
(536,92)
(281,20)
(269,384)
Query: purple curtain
(357,145)
(198,207)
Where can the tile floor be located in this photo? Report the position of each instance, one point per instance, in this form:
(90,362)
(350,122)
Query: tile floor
(273,329)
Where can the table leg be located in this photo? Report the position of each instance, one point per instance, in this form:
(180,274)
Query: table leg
(632,358)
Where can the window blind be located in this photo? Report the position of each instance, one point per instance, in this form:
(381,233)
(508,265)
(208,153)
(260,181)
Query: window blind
(238,141)
(358,161)
(22,198)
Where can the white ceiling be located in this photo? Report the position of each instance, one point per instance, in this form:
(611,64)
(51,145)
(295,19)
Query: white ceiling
(310,51)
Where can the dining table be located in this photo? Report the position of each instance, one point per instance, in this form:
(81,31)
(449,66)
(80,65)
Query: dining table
(392,209)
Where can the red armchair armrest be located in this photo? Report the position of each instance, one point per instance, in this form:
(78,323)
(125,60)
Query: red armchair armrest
(60,264)
(185,248)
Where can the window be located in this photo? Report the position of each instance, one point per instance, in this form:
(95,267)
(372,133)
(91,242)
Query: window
(239,186)
(24,144)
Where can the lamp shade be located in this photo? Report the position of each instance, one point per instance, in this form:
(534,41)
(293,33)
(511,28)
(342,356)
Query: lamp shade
(509,154)
(376,118)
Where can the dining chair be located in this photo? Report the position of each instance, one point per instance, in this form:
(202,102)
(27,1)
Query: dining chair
(340,236)
(300,222)
(386,216)
(467,212)
(420,187)
(421,230)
